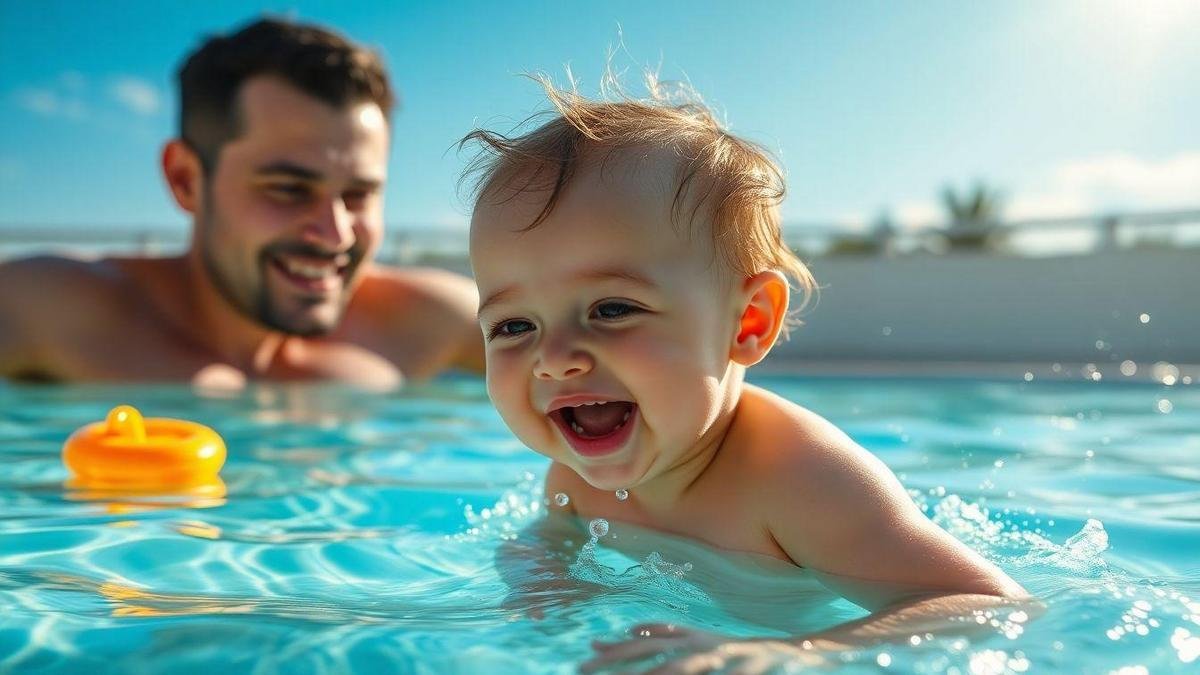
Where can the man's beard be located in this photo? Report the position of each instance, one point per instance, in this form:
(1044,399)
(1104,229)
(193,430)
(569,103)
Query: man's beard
(256,304)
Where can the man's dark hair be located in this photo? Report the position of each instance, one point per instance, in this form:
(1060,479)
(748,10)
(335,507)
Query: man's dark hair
(318,62)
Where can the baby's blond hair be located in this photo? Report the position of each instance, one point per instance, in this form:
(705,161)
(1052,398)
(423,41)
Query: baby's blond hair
(742,185)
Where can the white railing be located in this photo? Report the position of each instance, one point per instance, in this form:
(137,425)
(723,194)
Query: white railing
(418,244)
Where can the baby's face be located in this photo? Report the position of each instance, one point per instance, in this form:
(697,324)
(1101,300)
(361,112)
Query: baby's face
(608,334)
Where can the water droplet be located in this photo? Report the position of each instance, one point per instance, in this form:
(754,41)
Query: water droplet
(622,494)
(887,330)
(1165,406)
(687,567)
(598,527)
(1128,368)
(1166,373)
(1028,376)
(1144,318)
(562,499)
(884,660)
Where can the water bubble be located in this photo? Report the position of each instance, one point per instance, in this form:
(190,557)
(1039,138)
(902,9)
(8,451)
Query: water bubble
(687,567)
(1128,368)
(1028,376)
(1165,406)
(622,494)
(1144,318)
(1056,367)
(562,499)
(598,527)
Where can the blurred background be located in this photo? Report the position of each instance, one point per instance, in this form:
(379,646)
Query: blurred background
(1005,183)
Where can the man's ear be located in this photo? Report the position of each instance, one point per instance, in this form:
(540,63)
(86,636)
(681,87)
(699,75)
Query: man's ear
(764,300)
(184,173)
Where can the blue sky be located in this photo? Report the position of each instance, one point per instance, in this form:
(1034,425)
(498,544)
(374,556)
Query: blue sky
(1069,107)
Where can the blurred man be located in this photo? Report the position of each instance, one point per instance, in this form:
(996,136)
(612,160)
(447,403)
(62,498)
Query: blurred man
(281,161)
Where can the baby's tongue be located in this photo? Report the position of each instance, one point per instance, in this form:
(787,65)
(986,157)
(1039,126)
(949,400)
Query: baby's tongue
(600,419)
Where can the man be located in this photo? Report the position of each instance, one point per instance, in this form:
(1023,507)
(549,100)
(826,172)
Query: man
(281,162)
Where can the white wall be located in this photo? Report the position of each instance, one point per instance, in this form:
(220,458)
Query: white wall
(968,307)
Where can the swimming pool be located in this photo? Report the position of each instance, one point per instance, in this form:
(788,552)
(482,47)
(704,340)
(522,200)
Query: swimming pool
(361,533)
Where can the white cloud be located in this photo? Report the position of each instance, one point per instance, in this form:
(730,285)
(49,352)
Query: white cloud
(918,212)
(1112,183)
(1081,188)
(40,101)
(138,95)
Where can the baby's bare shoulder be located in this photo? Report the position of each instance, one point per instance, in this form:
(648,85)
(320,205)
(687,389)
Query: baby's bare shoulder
(807,469)
(788,442)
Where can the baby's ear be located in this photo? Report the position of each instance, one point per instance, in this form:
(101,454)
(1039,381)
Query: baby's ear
(764,300)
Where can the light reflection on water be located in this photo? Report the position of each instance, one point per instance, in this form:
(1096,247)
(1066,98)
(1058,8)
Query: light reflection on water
(365,532)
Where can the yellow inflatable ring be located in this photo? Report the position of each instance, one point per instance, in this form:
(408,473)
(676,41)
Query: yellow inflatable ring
(126,450)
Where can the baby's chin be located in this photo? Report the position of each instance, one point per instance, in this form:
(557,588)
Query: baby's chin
(610,478)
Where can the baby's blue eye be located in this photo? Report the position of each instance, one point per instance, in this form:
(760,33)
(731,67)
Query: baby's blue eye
(614,310)
(510,328)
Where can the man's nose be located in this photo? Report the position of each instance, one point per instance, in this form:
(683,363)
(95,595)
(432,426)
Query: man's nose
(561,360)
(331,227)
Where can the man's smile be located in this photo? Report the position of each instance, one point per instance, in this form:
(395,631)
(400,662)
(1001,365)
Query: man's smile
(317,275)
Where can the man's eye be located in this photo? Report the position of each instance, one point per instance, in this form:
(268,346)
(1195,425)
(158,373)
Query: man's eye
(612,309)
(509,328)
(289,192)
(355,199)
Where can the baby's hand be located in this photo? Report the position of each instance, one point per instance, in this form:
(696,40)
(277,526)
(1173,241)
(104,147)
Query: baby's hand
(693,651)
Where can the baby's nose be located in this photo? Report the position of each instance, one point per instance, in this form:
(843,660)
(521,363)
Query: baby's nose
(562,364)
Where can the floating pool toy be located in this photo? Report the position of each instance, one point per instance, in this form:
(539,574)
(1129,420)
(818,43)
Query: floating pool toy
(128,453)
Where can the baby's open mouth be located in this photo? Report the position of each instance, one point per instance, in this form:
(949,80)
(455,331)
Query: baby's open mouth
(592,421)
(598,428)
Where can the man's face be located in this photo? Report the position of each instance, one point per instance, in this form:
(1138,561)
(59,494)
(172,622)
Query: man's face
(293,210)
(608,332)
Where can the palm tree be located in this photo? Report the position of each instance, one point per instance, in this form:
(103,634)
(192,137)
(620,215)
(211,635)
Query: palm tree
(973,216)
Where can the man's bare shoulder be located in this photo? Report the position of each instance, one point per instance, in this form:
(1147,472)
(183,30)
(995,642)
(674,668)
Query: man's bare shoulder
(422,285)
(47,286)
(46,301)
(427,314)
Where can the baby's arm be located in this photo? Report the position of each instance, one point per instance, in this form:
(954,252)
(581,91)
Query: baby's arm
(840,512)
(837,510)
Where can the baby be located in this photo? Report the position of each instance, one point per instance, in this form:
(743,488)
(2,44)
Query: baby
(631,268)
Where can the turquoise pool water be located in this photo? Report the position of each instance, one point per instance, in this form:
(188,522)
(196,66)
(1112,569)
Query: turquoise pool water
(361,533)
